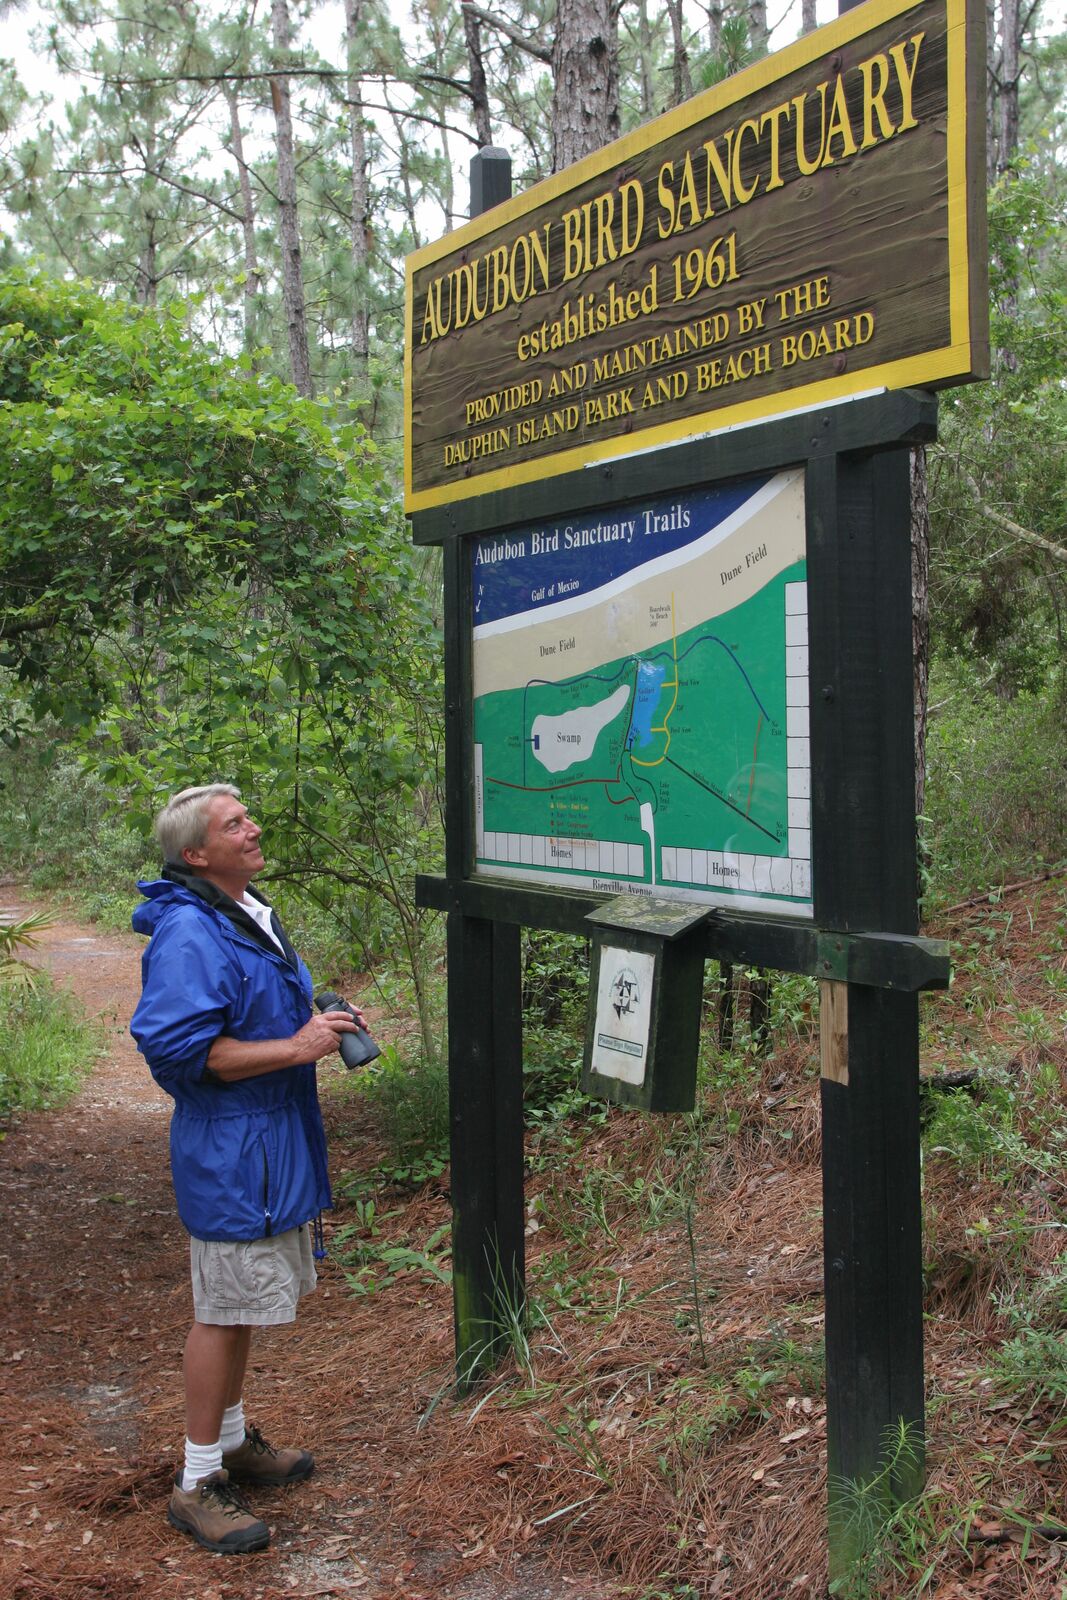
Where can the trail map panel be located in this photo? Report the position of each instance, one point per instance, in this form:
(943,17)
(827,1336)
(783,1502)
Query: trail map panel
(640,684)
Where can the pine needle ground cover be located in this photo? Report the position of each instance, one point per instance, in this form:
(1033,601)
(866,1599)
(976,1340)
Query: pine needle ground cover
(660,1417)
(657,1427)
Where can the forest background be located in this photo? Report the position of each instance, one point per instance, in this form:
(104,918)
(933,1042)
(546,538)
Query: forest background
(204,569)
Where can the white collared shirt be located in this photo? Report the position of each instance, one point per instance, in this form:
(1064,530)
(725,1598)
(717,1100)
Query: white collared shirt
(261,914)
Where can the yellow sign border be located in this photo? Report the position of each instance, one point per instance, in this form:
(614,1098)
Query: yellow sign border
(929,367)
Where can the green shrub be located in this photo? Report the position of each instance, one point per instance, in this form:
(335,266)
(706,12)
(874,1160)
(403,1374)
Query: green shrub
(410,1101)
(58,824)
(986,1134)
(46,1047)
(555,978)
(996,793)
(1033,1365)
(555,987)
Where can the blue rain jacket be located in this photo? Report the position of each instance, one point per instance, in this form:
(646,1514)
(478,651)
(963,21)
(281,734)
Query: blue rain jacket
(248,1159)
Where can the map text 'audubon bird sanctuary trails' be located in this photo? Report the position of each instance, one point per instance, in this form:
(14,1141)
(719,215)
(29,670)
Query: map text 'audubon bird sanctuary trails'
(641,699)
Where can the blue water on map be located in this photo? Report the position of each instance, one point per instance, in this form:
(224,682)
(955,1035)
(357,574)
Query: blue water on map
(650,676)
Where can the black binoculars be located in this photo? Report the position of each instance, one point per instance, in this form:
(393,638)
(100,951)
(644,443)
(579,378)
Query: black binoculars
(356,1048)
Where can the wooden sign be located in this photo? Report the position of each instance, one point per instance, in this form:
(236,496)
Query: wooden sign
(809,230)
(646,982)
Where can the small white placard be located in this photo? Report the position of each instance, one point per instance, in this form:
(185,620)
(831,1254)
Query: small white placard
(624,994)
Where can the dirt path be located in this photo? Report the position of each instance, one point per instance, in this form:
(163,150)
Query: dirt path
(96,1309)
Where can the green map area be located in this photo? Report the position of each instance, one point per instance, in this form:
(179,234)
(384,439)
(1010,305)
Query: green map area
(692,728)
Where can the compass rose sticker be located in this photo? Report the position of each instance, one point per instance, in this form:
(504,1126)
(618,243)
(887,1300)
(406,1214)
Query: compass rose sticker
(625,993)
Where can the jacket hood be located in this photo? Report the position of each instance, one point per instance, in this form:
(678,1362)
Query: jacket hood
(159,895)
(178,886)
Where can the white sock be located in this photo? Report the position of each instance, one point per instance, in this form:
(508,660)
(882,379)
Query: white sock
(200,1461)
(233,1427)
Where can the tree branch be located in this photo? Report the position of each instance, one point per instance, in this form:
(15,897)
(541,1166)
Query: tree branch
(999,520)
(510,31)
(150,172)
(1001,889)
(244,76)
(441,123)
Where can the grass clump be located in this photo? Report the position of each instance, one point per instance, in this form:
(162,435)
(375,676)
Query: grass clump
(980,1133)
(1032,1362)
(877,1529)
(46,1047)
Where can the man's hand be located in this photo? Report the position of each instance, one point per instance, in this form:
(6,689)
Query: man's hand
(321,1035)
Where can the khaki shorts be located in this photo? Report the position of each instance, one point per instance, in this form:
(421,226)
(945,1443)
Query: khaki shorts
(255,1282)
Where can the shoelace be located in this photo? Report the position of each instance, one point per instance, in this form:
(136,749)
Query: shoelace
(229,1501)
(258,1443)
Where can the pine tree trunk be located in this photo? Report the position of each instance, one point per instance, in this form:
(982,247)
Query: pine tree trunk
(1008,120)
(407,193)
(992,81)
(472,34)
(681,76)
(253,283)
(646,67)
(359,227)
(585,76)
(715,17)
(289,228)
(146,282)
(758,31)
(1003,135)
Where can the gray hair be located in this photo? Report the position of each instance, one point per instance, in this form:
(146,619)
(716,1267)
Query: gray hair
(182,824)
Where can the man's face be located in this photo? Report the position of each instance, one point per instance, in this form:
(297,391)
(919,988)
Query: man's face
(230,853)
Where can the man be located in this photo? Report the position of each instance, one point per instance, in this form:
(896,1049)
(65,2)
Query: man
(226,1024)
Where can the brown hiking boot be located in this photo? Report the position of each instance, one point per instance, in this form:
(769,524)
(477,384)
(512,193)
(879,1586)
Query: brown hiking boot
(216,1516)
(256,1461)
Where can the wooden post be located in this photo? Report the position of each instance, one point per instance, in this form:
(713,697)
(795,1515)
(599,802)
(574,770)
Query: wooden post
(485,1096)
(484,999)
(863,826)
(490,179)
